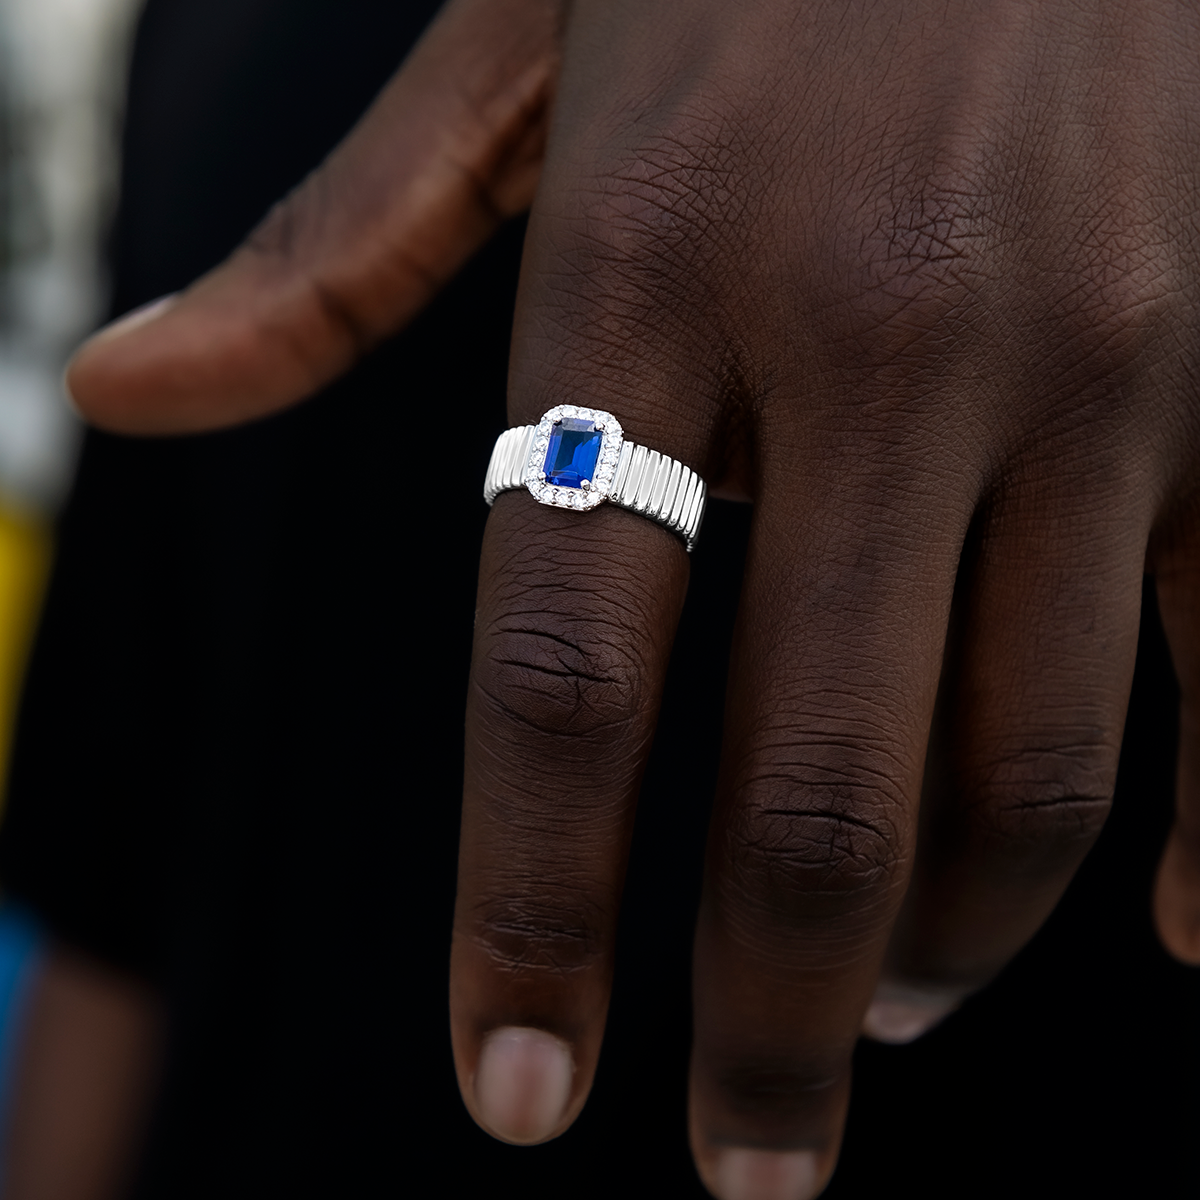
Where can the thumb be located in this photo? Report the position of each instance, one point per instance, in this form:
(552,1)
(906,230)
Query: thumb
(450,149)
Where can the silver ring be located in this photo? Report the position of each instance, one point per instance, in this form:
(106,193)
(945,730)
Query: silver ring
(578,458)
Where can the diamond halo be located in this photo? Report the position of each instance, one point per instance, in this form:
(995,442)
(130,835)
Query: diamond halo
(596,490)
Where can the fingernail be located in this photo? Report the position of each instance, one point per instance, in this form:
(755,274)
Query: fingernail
(522,1084)
(137,318)
(740,1173)
(901,1014)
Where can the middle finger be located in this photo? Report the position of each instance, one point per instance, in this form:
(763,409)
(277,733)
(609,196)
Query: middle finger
(836,658)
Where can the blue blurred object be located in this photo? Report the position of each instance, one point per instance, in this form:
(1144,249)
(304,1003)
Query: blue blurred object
(21,943)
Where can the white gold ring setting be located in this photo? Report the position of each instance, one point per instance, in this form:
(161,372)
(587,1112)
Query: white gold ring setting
(578,458)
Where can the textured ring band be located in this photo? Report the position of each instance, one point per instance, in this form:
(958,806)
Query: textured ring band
(578,458)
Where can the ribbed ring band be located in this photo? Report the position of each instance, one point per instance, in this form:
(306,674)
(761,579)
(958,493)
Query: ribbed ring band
(578,458)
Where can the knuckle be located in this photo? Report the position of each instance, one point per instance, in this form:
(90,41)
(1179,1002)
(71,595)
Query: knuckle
(567,667)
(559,676)
(290,244)
(632,283)
(1107,319)
(944,254)
(1041,807)
(657,218)
(293,225)
(909,260)
(646,211)
(548,931)
(818,838)
(773,1087)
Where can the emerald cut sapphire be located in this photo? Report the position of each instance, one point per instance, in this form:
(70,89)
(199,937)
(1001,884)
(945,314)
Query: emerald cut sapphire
(572,452)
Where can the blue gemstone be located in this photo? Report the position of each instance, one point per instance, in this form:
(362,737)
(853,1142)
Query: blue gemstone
(572,453)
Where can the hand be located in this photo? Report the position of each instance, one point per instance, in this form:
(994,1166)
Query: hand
(919,281)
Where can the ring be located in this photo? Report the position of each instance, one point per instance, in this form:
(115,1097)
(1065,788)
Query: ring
(578,458)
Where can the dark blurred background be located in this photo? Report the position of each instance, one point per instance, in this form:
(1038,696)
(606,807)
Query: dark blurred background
(238,763)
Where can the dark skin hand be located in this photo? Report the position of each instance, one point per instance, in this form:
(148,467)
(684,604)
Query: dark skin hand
(921,281)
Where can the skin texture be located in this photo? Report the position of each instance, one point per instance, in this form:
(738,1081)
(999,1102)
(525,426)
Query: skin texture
(918,279)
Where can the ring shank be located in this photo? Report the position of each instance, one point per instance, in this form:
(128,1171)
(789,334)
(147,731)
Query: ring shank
(645,482)
(506,470)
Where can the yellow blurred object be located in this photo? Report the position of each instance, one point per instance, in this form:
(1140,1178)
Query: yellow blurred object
(25,549)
